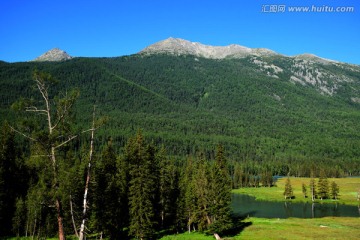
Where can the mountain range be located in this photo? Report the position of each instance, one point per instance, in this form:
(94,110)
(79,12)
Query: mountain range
(189,96)
(303,70)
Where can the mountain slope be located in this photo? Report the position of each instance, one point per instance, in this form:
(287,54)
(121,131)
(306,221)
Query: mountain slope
(253,105)
(305,69)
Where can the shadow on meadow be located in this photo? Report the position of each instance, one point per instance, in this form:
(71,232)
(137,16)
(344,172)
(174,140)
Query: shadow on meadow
(238,226)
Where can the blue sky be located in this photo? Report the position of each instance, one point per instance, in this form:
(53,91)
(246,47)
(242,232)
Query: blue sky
(108,28)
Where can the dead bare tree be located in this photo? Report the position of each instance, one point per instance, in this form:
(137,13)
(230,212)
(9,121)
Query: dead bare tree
(58,133)
(82,228)
(72,217)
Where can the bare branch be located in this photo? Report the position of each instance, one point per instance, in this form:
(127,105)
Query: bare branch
(23,134)
(89,130)
(65,142)
(34,109)
(72,217)
(43,90)
(62,116)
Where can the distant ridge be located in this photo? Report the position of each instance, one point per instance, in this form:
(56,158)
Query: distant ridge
(53,55)
(178,46)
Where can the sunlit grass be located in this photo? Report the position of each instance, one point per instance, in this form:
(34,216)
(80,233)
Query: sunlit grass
(294,228)
(291,228)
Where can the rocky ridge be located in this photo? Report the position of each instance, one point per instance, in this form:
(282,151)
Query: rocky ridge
(53,55)
(304,69)
(177,46)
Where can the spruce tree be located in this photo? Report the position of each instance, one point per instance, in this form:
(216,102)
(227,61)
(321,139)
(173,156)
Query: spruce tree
(221,194)
(19,218)
(304,190)
(168,193)
(187,204)
(323,186)
(334,190)
(288,192)
(202,189)
(12,180)
(107,195)
(238,176)
(142,189)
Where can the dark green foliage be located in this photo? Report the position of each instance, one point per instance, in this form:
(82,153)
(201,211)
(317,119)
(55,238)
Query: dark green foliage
(304,190)
(168,190)
(202,193)
(189,104)
(266,179)
(19,218)
(288,192)
(221,194)
(141,188)
(334,191)
(187,202)
(13,178)
(205,194)
(323,186)
(110,200)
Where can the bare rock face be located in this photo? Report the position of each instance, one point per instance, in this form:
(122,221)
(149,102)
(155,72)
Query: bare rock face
(177,46)
(54,55)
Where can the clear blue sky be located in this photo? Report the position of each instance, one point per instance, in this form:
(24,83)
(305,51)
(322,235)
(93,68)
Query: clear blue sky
(108,28)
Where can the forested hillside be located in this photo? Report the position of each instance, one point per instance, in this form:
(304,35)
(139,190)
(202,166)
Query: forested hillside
(190,104)
(270,116)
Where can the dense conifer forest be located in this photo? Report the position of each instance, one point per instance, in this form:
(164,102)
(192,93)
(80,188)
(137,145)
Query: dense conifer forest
(171,131)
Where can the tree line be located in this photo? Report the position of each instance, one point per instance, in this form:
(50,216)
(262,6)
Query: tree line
(137,194)
(61,188)
(320,190)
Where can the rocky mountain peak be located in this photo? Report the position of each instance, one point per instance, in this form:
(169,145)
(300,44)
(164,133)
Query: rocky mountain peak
(53,55)
(177,46)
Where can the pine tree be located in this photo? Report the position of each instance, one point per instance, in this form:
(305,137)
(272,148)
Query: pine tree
(334,190)
(202,190)
(238,177)
(141,189)
(12,180)
(304,190)
(187,204)
(168,194)
(288,193)
(221,194)
(19,218)
(107,195)
(323,186)
(122,183)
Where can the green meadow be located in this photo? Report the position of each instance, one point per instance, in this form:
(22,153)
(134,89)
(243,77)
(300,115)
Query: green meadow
(292,228)
(348,187)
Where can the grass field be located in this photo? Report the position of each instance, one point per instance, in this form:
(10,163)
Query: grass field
(292,228)
(347,195)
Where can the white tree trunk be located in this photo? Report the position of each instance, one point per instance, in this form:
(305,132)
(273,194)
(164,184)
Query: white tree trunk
(217,236)
(82,228)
